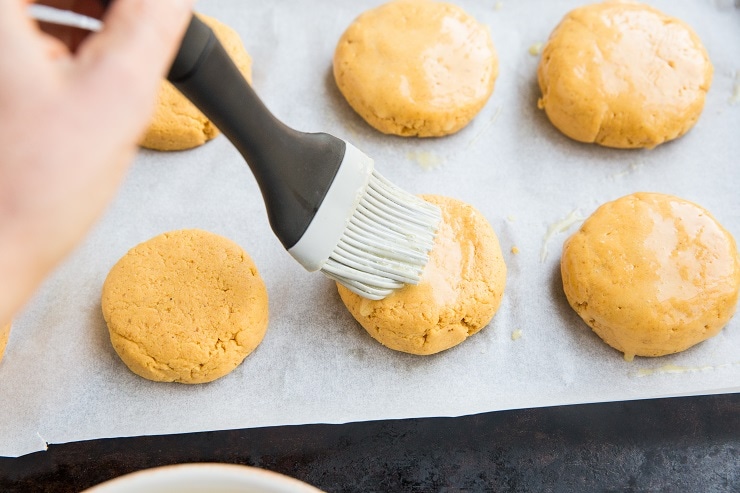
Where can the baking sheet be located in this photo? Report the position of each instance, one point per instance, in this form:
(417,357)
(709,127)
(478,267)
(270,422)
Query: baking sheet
(61,380)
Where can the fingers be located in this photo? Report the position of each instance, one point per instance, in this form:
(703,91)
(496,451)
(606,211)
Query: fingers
(12,18)
(19,29)
(54,48)
(70,36)
(24,50)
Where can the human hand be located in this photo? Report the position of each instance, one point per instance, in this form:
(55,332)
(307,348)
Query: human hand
(69,126)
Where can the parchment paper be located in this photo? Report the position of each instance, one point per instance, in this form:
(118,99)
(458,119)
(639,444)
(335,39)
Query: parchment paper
(61,380)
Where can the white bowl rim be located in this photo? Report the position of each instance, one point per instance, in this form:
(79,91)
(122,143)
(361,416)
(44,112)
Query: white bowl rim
(251,476)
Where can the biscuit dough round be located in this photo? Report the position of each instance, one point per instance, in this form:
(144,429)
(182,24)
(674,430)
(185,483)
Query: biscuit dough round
(416,67)
(652,274)
(4,334)
(623,74)
(186,306)
(177,124)
(460,289)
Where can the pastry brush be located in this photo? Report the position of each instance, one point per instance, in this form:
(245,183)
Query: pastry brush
(328,206)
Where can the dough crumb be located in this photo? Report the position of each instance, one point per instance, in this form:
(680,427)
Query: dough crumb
(633,167)
(427,160)
(516,334)
(514,250)
(535,49)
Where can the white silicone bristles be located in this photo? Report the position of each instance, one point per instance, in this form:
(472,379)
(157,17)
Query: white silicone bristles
(368,234)
(386,242)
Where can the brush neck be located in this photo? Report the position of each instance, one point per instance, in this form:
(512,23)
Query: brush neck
(294,169)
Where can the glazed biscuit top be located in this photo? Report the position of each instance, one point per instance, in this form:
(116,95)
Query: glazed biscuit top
(460,289)
(631,58)
(413,53)
(449,260)
(465,265)
(456,260)
(650,249)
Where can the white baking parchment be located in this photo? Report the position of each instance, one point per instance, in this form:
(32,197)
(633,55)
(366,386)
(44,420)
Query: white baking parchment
(61,380)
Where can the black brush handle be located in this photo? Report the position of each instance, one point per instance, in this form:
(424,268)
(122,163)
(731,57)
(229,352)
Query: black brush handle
(294,170)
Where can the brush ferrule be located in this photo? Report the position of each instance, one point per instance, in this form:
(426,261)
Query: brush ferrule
(328,226)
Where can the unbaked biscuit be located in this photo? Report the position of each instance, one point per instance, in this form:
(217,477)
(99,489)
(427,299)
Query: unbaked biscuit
(185,306)
(177,124)
(623,74)
(416,67)
(4,334)
(460,289)
(652,274)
